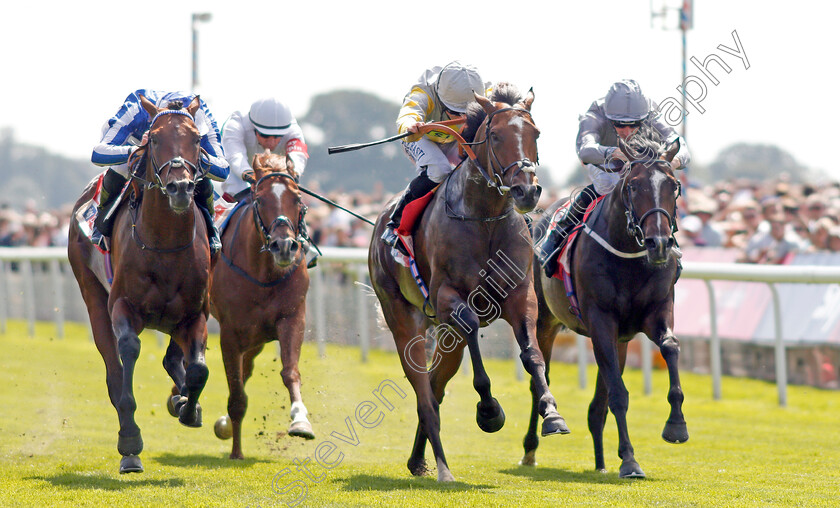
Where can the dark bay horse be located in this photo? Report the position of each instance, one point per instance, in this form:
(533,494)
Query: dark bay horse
(259,289)
(624,286)
(160,274)
(475,255)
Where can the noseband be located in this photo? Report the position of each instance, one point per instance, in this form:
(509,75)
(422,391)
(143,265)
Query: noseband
(280,219)
(522,165)
(634,225)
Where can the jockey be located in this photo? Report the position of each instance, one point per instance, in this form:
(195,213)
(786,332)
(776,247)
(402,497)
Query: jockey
(619,114)
(122,135)
(441,93)
(268,125)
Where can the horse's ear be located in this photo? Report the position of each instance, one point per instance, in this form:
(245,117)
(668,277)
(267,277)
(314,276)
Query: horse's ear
(150,108)
(672,150)
(485,103)
(529,99)
(194,105)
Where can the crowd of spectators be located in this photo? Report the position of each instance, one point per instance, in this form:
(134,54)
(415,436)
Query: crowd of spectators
(765,221)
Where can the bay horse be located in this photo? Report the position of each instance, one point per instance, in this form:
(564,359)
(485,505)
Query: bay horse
(259,290)
(160,273)
(475,255)
(623,266)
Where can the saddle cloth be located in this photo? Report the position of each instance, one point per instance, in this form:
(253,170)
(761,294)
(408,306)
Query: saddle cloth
(86,213)
(410,217)
(563,260)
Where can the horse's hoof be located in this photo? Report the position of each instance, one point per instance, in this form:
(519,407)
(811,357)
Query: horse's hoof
(130,445)
(675,432)
(490,418)
(301,429)
(237,455)
(174,404)
(630,469)
(445,476)
(190,419)
(529,459)
(131,464)
(223,428)
(418,467)
(554,424)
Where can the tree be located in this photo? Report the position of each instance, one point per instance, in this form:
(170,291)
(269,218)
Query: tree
(755,162)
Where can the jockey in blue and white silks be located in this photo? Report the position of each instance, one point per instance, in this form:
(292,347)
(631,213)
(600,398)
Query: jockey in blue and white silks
(122,135)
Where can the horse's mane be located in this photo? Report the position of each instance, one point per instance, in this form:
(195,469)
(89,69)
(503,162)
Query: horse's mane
(175,105)
(646,143)
(502,92)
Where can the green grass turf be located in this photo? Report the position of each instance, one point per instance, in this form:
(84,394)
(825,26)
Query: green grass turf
(58,435)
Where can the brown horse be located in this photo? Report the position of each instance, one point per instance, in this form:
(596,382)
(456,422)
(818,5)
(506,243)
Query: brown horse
(475,254)
(160,274)
(259,290)
(624,266)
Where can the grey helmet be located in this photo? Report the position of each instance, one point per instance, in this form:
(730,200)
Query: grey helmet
(456,84)
(625,102)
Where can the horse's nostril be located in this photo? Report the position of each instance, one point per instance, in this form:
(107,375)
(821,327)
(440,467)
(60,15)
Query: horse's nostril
(190,187)
(171,188)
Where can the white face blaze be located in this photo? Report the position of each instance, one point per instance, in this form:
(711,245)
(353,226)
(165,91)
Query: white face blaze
(518,122)
(656,180)
(278,189)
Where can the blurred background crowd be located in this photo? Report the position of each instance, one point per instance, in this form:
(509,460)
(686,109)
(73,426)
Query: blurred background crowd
(766,221)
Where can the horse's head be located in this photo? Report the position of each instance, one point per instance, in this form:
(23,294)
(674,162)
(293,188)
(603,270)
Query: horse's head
(173,151)
(510,137)
(649,192)
(278,209)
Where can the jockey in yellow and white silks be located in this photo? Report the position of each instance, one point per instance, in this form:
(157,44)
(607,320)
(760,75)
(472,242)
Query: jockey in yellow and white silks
(440,93)
(269,124)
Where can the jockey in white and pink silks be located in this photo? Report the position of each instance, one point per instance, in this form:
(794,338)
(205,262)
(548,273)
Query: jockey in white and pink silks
(620,114)
(268,125)
(122,135)
(441,93)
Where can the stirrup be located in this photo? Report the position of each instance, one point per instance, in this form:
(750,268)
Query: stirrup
(100,240)
(391,239)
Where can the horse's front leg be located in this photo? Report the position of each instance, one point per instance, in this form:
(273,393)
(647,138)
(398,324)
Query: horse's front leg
(660,333)
(459,321)
(193,340)
(290,334)
(521,312)
(610,355)
(126,326)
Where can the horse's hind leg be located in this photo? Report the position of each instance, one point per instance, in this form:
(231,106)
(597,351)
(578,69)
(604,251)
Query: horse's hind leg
(130,442)
(196,373)
(546,333)
(173,364)
(290,333)
(675,430)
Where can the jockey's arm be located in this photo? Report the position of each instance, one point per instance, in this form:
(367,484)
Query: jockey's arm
(416,107)
(296,151)
(233,143)
(213,156)
(589,148)
(119,131)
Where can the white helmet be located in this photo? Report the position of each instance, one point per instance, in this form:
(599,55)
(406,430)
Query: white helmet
(456,84)
(271,117)
(625,102)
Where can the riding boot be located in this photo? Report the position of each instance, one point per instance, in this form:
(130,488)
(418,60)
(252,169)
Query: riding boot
(550,248)
(419,187)
(103,227)
(204,200)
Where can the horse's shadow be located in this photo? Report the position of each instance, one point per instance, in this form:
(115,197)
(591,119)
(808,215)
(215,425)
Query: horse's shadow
(371,482)
(104,481)
(553,474)
(207,461)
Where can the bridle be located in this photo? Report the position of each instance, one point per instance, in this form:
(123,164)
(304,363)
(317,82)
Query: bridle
(265,232)
(497,180)
(198,170)
(634,224)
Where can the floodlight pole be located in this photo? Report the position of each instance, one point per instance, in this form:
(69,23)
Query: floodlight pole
(196,18)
